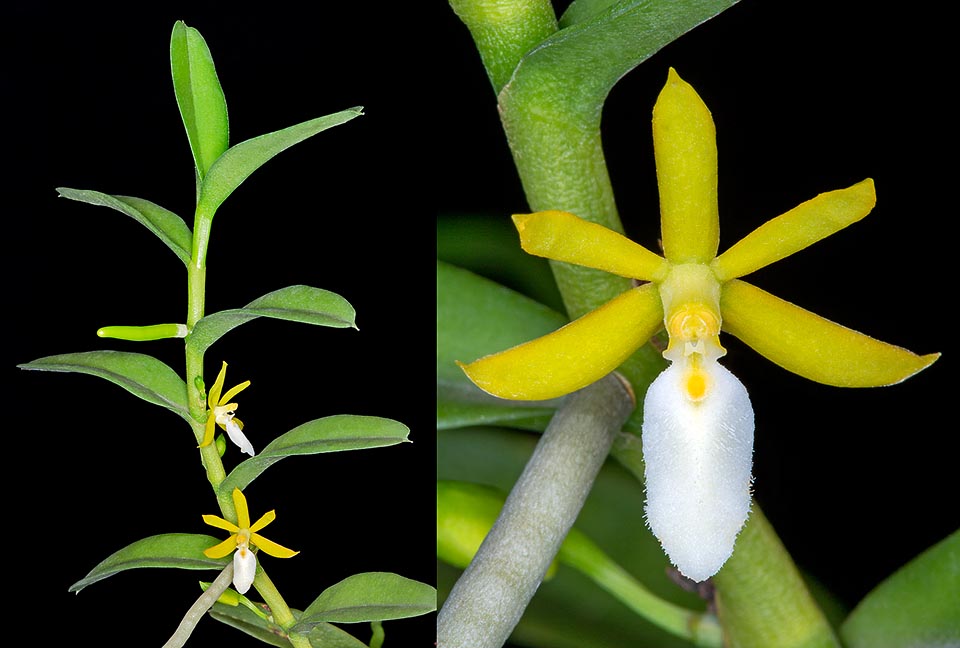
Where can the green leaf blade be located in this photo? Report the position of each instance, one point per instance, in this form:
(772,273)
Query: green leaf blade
(294,303)
(238,162)
(331,434)
(919,605)
(370,596)
(200,98)
(170,550)
(322,635)
(169,227)
(141,375)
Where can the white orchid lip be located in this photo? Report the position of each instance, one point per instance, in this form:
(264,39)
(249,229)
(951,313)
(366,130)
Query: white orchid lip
(698,450)
(244,568)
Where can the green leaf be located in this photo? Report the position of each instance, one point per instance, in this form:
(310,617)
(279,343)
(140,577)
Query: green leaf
(238,162)
(918,606)
(371,596)
(164,223)
(175,550)
(294,303)
(330,434)
(322,635)
(139,374)
(199,96)
(475,317)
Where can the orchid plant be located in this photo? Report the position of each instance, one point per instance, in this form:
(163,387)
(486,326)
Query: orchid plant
(368,598)
(633,370)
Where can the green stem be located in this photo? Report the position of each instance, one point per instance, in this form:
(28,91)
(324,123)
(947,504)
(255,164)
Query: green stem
(581,553)
(505,31)
(282,615)
(761,597)
(488,600)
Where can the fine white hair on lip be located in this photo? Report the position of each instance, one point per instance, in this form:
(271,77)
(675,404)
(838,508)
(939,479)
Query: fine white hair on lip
(698,455)
(244,569)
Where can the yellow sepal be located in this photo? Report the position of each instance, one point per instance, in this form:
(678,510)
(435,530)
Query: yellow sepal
(562,236)
(800,227)
(271,547)
(575,355)
(243,513)
(685,148)
(222,549)
(811,346)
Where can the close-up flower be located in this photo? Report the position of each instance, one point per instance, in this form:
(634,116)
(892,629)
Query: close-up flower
(223,413)
(698,421)
(243,535)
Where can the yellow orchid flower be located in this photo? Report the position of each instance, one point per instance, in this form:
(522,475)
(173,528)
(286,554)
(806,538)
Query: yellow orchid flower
(243,534)
(698,421)
(222,412)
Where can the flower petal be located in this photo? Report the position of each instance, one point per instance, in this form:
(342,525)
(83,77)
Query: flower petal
(811,346)
(562,236)
(697,453)
(272,548)
(220,523)
(233,392)
(803,225)
(574,356)
(244,569)
(685,147)
(222,549)
(210,429)
(264,520)
(213,396)
(243,513)
(238,437)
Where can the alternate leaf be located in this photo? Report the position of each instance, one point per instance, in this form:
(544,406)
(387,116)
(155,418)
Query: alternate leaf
(330,434)
(141,375)
(919,605)
(322,635)
(238,162)
(172,550)
(293,303)
(452,414)
(171,229)
(371,596)
(199,96)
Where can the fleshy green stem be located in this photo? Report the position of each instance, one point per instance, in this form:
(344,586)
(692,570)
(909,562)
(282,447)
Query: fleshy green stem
(488,600)
(581,553)
(761,597)
(282,615)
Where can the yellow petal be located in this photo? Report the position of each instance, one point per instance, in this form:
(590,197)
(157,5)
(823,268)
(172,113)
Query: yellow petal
(220,523)
(243,513)
(210,429)
(222,549)
(233,392)
(573,356)
(685,147)
(213,396)
(271,547)
(264,520)
(565,237)
(811,346)
(803,225)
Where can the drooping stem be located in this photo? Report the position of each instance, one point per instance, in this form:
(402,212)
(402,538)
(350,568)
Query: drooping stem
(489,598)
(200,607)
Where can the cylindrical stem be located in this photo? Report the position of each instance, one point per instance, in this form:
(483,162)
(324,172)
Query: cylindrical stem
(200,607)
(489,598)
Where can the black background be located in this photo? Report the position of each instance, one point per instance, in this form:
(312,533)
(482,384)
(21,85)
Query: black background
(807,97)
